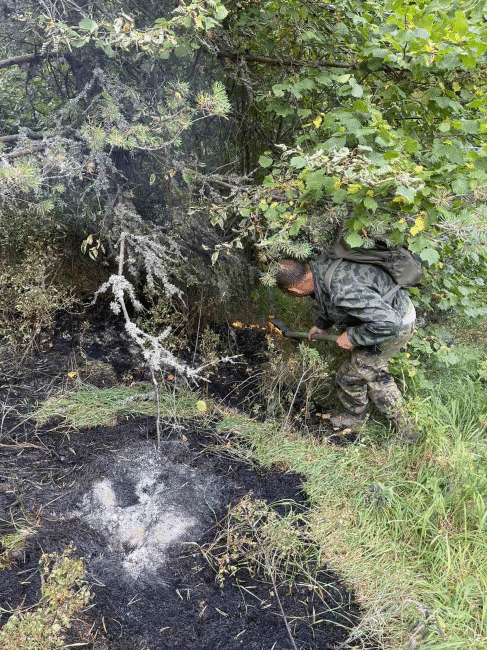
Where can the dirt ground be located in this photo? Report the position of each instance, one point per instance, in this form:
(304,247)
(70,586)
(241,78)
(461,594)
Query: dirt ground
(139,517)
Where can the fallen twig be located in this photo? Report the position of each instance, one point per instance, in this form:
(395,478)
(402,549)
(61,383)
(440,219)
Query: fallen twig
(271,574)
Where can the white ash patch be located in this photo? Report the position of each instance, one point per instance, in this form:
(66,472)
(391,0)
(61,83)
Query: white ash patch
(148,502)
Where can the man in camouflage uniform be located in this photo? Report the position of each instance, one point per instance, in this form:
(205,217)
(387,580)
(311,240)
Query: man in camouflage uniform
(374,330)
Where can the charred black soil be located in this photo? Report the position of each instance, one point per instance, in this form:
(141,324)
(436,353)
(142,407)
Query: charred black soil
(139,517)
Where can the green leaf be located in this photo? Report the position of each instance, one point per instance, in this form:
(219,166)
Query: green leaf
(108,49)
(481,163)
(370,204)
(360,105)
(470,126)
(303,84)
(296,227)
(407,192)
(88,25)
(410,145)
(221,12)
(265,161)
(460,186)
(468,60)
(341,29)
(298,162)
(354,240)
(279,89)
(357,90)
(316,180)
(429,255)
(281,108)
(182,50)
(339,196)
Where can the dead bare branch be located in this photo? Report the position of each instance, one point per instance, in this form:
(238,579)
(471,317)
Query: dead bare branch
(269,60)
(19,60)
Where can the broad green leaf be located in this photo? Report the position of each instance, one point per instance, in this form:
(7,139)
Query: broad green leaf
(357,90)
(281,108)
(87,25)
(295,227)
(221,12)
(279,89)
(429,255)
(354,240)
(340,28)
(460,186)
(410,145)
(370,204)
(360,105)
(470,126)
(339,196)
(407,192)
(265,161)
(317,180)
(297,162)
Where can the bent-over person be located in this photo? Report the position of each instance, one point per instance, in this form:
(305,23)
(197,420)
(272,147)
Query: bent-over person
(375,326)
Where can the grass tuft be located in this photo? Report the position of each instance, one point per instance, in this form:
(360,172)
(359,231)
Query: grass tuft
(92,407)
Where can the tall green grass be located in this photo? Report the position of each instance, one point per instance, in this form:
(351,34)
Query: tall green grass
(405,525)
(89,406)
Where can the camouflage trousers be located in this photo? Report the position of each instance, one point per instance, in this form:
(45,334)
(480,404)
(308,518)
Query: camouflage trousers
(365,378)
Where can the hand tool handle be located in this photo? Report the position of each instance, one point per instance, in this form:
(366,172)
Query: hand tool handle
(304,335)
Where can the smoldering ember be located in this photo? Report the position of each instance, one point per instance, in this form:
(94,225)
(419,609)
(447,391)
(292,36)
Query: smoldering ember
(152,524)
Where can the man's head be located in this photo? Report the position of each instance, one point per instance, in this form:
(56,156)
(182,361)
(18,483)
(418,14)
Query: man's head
(295,277)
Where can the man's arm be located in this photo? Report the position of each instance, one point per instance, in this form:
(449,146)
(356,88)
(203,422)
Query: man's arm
(379,321)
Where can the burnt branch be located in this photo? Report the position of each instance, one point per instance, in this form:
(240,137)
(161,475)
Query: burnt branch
(269,60)
(19,60)
(33,135)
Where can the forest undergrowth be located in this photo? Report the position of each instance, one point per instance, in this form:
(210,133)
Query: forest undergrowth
(404,525)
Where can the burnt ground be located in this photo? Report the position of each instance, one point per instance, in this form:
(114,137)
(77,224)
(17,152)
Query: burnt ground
(139,518)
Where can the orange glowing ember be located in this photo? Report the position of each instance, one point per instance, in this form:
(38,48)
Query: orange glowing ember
(240,326)
(274,329)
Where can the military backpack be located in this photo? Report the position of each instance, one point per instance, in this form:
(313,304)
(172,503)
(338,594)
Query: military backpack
(403,266)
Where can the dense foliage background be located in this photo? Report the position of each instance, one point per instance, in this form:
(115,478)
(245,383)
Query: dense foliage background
(229,134)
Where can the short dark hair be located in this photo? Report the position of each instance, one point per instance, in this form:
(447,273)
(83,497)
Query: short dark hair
(290,273)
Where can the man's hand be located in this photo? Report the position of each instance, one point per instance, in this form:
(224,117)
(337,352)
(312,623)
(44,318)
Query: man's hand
(315,331)
(344,342)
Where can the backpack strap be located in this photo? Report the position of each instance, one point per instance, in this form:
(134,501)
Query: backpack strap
(333,267)
(391,292)
(329,273)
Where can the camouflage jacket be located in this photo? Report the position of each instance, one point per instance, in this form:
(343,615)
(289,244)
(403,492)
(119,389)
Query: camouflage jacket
(356,301)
